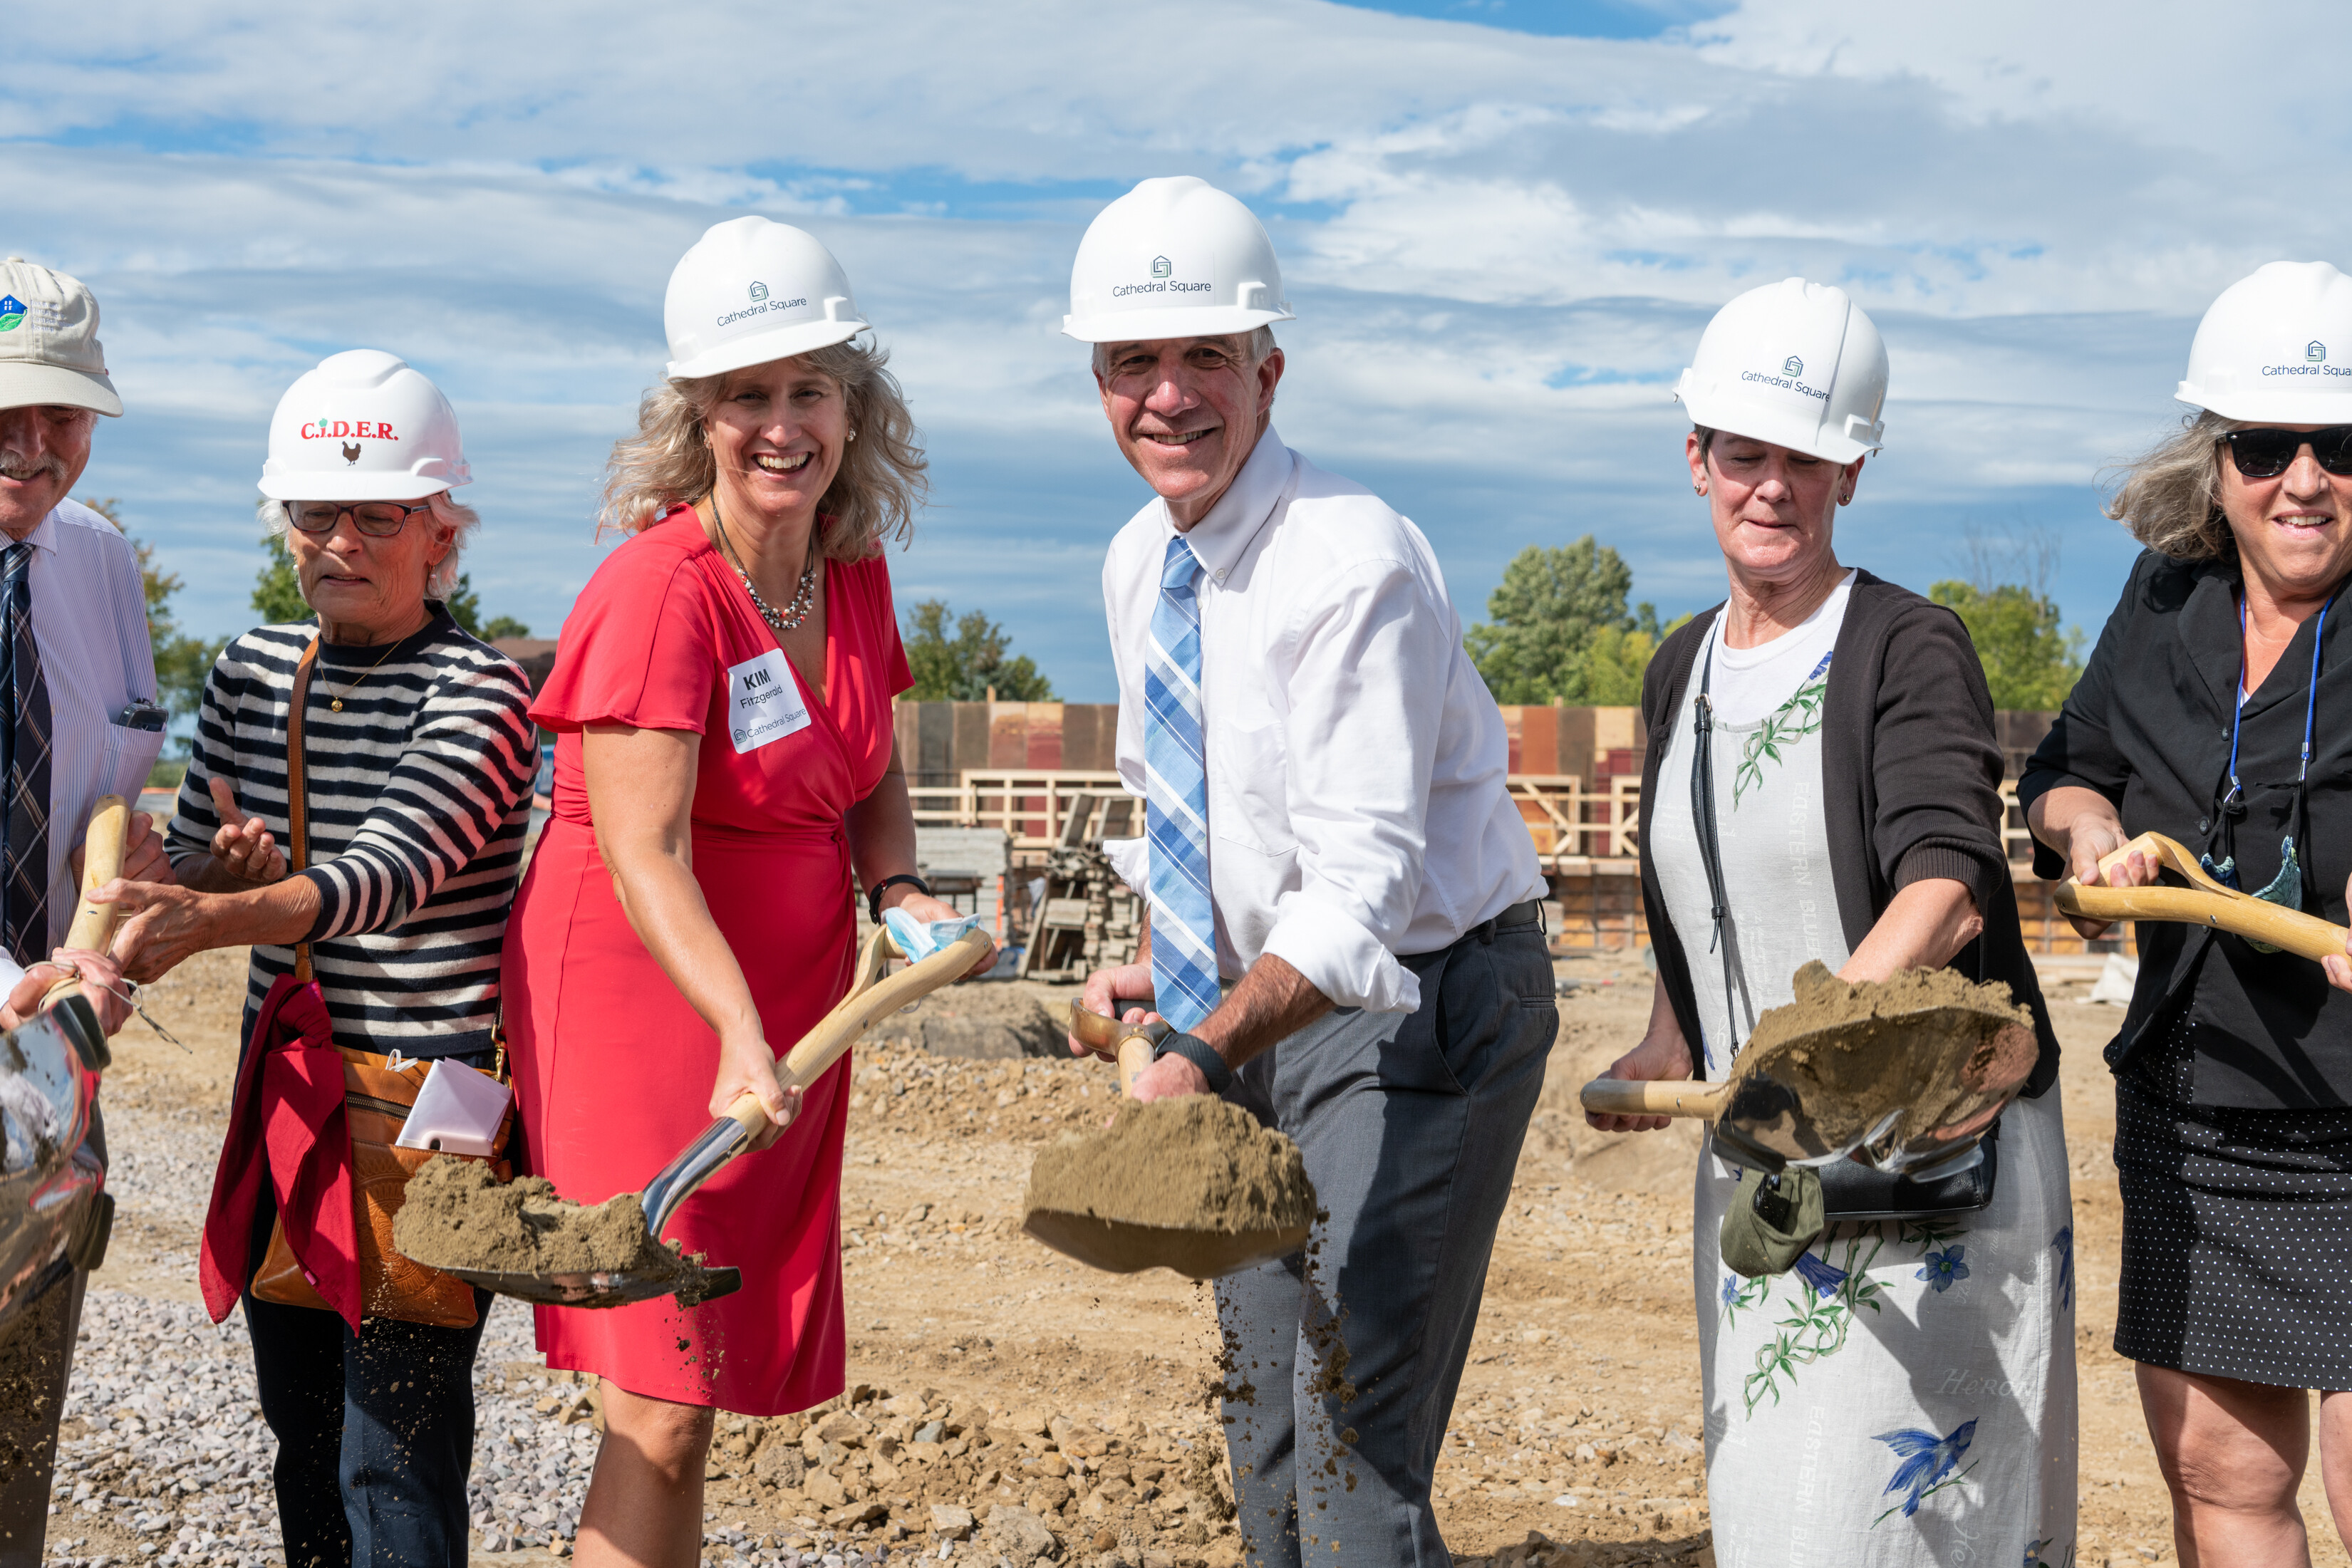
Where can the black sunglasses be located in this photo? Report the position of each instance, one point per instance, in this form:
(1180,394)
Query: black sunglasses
(377,519)
(2267,454)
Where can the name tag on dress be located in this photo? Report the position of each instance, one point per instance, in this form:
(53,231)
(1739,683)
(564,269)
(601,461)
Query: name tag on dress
(764,702)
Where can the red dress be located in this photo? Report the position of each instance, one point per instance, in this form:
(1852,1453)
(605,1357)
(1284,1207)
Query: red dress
(612,1069)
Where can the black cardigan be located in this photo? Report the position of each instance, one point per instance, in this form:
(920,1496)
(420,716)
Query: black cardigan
(2148,728)
(1910,785)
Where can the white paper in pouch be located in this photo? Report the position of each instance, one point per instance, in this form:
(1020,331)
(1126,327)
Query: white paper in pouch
(457,1112)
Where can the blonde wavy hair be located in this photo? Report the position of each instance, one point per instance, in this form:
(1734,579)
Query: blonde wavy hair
(461,520)
(874,496)
(2169,496)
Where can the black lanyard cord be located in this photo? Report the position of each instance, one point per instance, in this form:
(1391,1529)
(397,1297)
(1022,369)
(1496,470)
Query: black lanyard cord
(1702,788)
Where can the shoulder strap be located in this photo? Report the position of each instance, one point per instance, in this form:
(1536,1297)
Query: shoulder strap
(1702,788)
(298,810)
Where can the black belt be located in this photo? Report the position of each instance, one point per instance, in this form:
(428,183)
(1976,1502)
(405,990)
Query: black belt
(1518,918)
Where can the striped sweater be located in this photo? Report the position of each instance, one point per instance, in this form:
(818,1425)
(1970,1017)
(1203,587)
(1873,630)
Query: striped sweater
(419,791)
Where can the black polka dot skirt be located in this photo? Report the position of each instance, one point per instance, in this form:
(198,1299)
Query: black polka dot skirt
(2237,1255)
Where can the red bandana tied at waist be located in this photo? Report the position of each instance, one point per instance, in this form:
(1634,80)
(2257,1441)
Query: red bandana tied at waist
(287,1114)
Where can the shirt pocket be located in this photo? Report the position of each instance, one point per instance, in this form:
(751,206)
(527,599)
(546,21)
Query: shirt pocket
(128,757)
(1248,798)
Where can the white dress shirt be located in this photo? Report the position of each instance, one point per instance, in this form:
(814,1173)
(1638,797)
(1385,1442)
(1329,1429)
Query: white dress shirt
(90,619)
(1356,761)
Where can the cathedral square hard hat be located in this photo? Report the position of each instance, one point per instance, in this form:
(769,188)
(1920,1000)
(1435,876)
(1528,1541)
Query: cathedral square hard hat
(1794,363)
(364,426)
(1173,258)
(2277,348)
(751,291)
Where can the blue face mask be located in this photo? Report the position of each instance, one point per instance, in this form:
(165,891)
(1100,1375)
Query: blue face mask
(2285,889)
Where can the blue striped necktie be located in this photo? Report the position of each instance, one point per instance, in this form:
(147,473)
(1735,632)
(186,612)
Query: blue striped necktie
(1176,799)
(25,880)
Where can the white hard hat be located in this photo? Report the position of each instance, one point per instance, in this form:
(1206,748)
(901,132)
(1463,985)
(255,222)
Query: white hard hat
(1173,258)
(362,428)
(1794,363)
(2277,348)
(751,291)
(49,351)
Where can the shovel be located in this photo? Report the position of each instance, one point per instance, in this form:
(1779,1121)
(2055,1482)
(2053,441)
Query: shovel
(1122,1247)
(870,997)
(92,928)
(1907,1090)
(2205,902)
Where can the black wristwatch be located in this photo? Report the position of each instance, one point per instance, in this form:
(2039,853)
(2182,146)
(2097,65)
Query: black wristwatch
(1200,1054)
(874,897)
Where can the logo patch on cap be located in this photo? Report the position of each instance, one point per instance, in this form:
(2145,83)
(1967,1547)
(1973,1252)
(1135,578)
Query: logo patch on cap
(12,312)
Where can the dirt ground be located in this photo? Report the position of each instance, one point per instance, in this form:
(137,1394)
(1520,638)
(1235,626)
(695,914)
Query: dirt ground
(993,1371)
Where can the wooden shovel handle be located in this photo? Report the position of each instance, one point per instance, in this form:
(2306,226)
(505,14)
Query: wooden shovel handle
(102,863)
(1656,1097)
(838,1030)
(2305,935)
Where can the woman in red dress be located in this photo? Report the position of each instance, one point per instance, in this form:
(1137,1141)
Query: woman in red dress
(724,783)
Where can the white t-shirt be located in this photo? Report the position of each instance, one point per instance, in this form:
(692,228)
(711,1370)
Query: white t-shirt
(1770,826)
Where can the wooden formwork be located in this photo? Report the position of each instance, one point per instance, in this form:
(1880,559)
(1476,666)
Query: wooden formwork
(1601,911)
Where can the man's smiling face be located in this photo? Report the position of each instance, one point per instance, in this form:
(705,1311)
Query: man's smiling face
(1187,412)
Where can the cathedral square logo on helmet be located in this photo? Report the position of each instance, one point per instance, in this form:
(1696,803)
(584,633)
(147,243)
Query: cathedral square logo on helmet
(12,312)
(1794,366)
(759,292)
(2314,364)
(761,304)
(1160,267)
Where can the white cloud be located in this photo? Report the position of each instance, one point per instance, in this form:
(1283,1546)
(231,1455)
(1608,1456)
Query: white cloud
(1503,247)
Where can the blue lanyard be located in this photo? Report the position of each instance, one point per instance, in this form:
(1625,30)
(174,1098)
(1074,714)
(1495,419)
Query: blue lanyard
(2310,698)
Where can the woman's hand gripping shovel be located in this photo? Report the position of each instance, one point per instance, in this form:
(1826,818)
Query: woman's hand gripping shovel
(1094,1234)
(2204,902)
(871,996)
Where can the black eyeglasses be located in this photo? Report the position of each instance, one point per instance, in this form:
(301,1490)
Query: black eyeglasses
(2267,454)
(377,519)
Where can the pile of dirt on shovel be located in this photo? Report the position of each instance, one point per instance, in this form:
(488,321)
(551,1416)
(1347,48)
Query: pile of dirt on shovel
(1904,1040)
(1191,1162)
(457,1214)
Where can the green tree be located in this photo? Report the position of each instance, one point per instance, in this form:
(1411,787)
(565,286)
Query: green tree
(964,666)
(2029,662)
(276,589)
(1542,618)
(1616,657)
(182,661)
(498,626)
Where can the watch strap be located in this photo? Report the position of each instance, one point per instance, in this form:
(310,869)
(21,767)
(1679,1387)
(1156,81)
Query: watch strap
(1200,1054)
(874,895)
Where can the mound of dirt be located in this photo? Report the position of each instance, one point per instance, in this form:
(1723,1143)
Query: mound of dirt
(1193,1162)
(995,1020)
(457,1214)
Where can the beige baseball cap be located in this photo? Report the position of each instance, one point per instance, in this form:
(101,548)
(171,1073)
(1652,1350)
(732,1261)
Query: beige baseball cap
(49,351)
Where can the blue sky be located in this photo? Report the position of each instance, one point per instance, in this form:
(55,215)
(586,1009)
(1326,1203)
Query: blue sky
(1503,224)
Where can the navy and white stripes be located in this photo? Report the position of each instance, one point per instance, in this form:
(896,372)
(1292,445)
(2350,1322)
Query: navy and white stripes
(419,791)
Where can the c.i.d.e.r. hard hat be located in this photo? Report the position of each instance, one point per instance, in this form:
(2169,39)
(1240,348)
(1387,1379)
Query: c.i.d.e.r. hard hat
(751,291)
(364,426)
(1794,363)
(1173,258)
(2277,348)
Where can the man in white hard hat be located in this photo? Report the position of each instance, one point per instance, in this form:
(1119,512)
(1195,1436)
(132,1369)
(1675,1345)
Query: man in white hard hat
(1345,920)
(79,720)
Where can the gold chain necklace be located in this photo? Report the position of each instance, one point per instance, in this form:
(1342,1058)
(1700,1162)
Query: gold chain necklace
(335,700)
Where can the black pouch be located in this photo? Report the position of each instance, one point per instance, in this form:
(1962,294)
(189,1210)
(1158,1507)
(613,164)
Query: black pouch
(1853,1191)
(1773,1217)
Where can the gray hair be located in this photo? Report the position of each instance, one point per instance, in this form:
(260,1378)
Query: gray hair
(452,514)
(2169,496)
(1250,347)
(874,494)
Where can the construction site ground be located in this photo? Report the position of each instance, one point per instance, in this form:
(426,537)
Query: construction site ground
(988,1373)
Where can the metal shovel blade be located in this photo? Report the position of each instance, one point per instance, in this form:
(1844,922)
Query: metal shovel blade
(1119,1247)
(692,1284)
